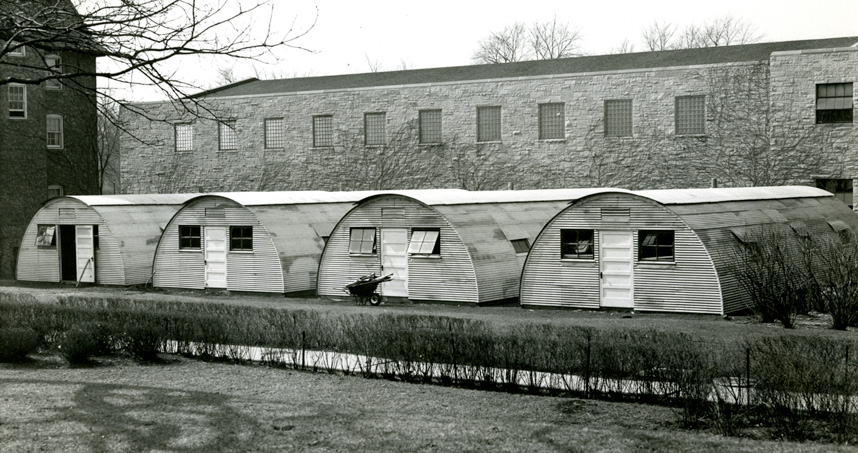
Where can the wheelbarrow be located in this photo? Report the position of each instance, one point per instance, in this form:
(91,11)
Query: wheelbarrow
(365,289)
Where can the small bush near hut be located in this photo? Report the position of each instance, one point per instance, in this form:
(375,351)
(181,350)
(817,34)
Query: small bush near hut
(78,344)
(17,343)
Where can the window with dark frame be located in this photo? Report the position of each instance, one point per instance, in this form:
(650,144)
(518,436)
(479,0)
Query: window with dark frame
(189,237)
(362,241)
(521,245)
(17,95)
(184,136)
(323,131)
(425,241)
(46,236)
(373,126)
(429,125)
(576,244)
(489,124)
(54,64)
(241,238)
(834,103)
(655,245)
(274,133)
(552,120)
(227,136)
(618,118)
(690,115)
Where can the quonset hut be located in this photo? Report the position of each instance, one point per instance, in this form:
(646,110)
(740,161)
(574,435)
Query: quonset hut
(103,239)
(440,245)
(665,250)
(249,241)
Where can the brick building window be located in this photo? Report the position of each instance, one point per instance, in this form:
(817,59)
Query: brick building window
(55,131)
(189,237)
(184,136)
(552,120)
(489,124)
(323,131)
(274,131)
(618,118)
(54,63)
(55,190)
(373,126)
(17,94)
(241,239)
(227,135)
(833,103)
(429,126)
(690,115)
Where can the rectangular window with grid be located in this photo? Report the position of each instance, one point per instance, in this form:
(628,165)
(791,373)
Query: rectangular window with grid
(227,135)
(189,237)
(17,94)
(241,239)
(489,124)
(362,241)
(430,126)
(834,103)
(55,131)
(576,244)
(54,64)
(425,241)
(184,136)
(552,120)
(323,131)
(373,126)
(46,236)
(655,245)
(274,133)
(690,115)
(618,118)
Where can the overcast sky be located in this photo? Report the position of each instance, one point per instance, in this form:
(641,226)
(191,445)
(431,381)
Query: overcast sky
(423,34)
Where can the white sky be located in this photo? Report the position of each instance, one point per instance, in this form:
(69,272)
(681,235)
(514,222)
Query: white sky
(423,34)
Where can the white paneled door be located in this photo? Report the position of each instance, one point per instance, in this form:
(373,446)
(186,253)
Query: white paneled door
(215,257)
(85,253)
(394,260)
(615,266)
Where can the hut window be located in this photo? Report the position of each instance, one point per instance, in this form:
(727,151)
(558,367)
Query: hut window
(552,120)
(373,126)
(241,238)
(46,236)
(655,245)
(323,131)
(576,244)
(189,237)
(393,213)
(833,103)
(274,129)
(425,242)
(690,115)
(362,241)
(618,118)
(429,125)
(17,95)
(489,124)
(521,245)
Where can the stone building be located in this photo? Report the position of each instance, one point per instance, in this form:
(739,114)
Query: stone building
(758,114)
(47,130)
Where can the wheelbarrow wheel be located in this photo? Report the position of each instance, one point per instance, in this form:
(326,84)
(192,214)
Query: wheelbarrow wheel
(375,299)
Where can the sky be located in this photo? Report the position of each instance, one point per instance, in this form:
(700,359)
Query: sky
(422,34)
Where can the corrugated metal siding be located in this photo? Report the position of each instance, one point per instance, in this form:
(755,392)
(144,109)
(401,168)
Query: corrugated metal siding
(257,271)
(690,285)
(449,278)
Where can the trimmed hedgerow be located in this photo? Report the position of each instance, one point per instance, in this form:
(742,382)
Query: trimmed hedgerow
(17,343)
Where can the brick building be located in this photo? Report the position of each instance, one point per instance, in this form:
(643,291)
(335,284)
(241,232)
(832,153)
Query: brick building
(758,114)
(47,134)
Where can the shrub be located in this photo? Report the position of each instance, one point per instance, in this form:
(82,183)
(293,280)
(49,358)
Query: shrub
(77,345)
(836,278)
(17,343)
(142,341)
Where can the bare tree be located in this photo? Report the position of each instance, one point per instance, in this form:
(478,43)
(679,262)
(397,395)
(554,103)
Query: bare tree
(659,36)
(625,47)
(373,64)
(551,40)
(722,31)
(505,46)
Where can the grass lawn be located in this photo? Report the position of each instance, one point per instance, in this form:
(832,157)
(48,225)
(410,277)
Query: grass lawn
(188,405)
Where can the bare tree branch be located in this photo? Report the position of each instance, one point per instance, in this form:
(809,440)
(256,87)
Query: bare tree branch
(551,40)
(505,46)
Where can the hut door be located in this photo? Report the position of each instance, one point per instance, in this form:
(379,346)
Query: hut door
(615,266)
(68,251)
(394,260)
(215,257)
(85,253)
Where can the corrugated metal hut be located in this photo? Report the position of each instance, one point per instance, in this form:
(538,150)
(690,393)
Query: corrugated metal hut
(665,250)
(103,239)
(440,245)
(250,241)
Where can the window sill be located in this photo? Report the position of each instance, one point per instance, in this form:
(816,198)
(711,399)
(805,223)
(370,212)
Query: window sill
(655,264)
(838,124)
(430,144)
(577,260)
(55,147)
(363,255)
(242,252)
(17,117)
(231,150)
(185,151)
(552,140)
(690,135)
(426,257)
(490,142)
(279,148)
(46,247)
(322,147)
(190,250)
